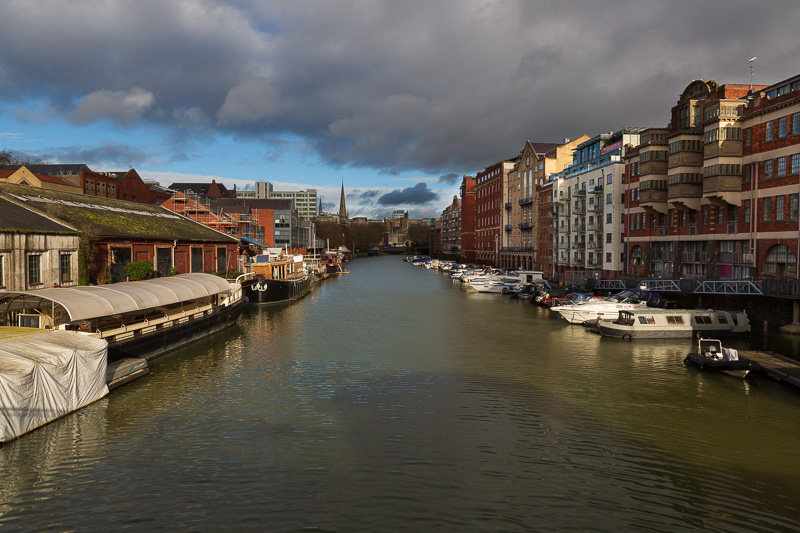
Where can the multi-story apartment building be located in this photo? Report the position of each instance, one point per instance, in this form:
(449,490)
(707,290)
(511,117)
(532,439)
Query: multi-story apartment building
(468,217)
(544,230)
(450,224)
(769,235)
(729,167)
(523,213)
(491,194)
(587,201)
(305,202)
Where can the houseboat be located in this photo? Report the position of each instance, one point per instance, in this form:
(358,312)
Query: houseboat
(675,323)
(278,277)
(138,319)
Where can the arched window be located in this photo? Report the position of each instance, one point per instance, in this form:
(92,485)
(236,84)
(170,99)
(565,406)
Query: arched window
(780,262)
(636,256)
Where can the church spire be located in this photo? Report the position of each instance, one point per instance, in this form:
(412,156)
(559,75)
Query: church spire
(342,207)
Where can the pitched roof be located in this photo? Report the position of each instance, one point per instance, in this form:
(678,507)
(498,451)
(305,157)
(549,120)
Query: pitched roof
(112,218)
(17,219)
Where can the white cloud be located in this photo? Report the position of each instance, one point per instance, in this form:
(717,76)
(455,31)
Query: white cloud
(125,107)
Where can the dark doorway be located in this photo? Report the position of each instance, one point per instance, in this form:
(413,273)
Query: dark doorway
(119,258)
(163,261)
(222,262)
(197,259)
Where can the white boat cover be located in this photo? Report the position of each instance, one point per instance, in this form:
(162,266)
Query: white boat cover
(94,301)
(45,376)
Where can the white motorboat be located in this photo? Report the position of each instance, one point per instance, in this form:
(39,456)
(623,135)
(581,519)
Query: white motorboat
(608,308)
(675,323)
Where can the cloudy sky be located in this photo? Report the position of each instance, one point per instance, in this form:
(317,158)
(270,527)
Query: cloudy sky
(397,99)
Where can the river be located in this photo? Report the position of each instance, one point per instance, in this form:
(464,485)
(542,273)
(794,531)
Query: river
(390,399)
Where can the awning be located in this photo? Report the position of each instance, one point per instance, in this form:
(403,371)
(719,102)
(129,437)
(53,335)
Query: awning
(95,301)
(251,241)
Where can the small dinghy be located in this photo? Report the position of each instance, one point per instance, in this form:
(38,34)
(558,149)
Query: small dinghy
(710,355)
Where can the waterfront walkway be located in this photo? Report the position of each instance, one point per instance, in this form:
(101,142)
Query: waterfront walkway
(776,366)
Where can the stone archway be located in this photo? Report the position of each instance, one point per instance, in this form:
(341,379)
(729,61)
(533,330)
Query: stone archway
(780,262)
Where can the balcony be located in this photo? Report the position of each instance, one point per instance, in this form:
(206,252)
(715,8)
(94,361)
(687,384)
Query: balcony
(720,190)
(654,200)
(580,227)
(508,206)
(595,245)
(580,192)
(685,196)
(595,189)
(579,210)
(595,208)
(526,201)
(579,246)
(563,246)
(594,226)
(508,227)
(563,229)
(561,198)
(525,225)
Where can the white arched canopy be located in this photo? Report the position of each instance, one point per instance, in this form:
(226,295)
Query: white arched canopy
(96,301)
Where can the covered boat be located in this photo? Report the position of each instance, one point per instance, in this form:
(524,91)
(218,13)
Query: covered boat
(139,319)
(710,355)
(675,323)
(278,278)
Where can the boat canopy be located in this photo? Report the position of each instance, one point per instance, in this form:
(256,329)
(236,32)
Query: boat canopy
(95,301)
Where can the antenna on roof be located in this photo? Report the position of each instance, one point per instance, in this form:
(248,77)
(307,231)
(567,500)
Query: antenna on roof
(752,61)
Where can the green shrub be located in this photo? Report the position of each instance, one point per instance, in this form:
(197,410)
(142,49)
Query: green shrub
(173,271)
(139,270)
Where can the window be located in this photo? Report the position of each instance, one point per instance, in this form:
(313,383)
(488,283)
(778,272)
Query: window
(65,268)
(781,166)
(748,137)
(793,201)
(676,320)
(702,319)
(722,319)
(769,131)
(779,203)
(608,257)
(647,320)
(34,270)
(2,284)
(766,214)
(795,123)
(747,211)
(795,164)
(768,169)
(609,218)
(608,237)
(780,261)
(610,198)
(782,127)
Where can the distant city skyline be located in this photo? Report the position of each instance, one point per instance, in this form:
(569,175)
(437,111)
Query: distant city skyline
(398,100)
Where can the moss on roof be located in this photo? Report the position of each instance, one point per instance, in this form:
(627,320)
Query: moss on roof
(17,219)
(112,218)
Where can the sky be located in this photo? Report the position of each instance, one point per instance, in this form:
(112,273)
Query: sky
(397,100)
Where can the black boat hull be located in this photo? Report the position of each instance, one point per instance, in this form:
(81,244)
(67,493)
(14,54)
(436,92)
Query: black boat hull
(271,290)
(153,344)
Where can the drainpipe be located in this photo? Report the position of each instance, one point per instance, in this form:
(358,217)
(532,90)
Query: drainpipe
(174,245)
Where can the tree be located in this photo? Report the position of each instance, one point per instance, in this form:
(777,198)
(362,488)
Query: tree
(7,157)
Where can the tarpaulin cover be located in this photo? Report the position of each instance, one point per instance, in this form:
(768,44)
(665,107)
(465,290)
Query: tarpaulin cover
(45,376)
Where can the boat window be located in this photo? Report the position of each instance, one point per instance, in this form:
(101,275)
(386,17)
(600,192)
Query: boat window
(702,319)
(675,320)
(646,320)
(722,319)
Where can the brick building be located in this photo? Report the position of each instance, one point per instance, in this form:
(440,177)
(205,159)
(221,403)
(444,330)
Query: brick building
(468,216)
(491,192)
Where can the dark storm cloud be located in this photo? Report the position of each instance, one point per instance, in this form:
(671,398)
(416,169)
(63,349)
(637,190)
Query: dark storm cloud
(367,195)
(450,178)
(105,157)
(441,87)
(417,195)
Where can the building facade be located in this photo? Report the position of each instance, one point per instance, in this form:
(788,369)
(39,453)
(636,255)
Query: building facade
(305,202)
(491,195)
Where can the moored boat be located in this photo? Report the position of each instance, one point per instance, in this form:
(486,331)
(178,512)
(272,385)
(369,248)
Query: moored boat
(138,319)
(675,323)
(608,308)
(711,355)
(278,278)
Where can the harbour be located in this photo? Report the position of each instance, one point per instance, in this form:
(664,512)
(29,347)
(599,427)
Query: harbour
(393,396)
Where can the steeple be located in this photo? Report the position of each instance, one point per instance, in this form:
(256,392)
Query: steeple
(342,207)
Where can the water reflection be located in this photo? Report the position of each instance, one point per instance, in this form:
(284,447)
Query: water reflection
(389,398)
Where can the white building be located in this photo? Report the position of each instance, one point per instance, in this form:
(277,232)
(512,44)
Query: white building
(305,202)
